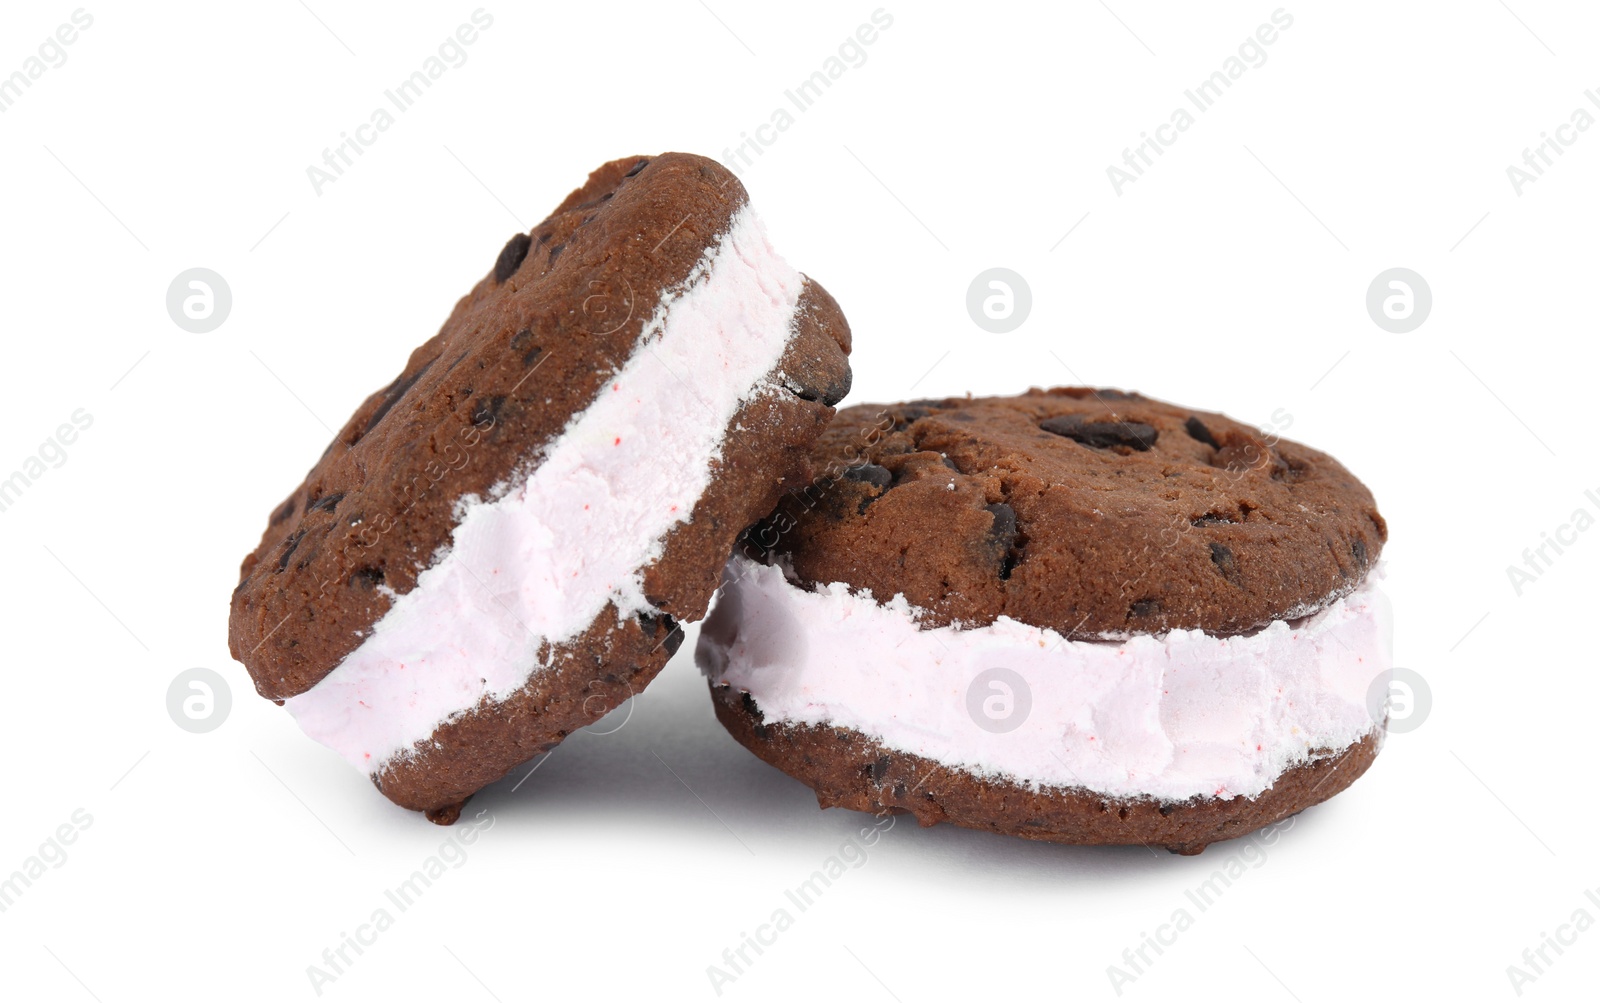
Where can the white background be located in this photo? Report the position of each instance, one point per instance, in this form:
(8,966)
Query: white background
(1232,276)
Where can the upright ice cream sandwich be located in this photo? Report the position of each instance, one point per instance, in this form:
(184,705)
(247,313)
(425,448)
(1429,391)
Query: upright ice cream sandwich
(500,547)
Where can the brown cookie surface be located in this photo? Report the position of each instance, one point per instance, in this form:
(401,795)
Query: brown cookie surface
(1095,513)
(563,308)
(847,769)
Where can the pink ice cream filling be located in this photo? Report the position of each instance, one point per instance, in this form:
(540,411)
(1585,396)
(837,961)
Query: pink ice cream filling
(1172,716)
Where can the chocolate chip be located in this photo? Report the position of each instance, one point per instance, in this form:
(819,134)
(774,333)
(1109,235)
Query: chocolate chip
(1358,550)
(1003,536)
(876,479)
(906,415)
(489,410)
(289,547)
(653,625)
(1005,522)
(819,386)
(1102,434)
(641,165)
(522,342)
(674,639)
(1286,470)
(1144,608)
(900,790)
(396,390)
(1222,557)
(327,503)
(366,579)
(511,257)
(750,708)
(1211,519)
(1197,430)
(880,768)
(870,473)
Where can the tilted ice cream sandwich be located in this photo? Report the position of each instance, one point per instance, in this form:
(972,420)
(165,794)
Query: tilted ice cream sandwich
(499,547)
(1073,615)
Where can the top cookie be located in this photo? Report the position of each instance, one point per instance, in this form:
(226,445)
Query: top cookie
(1095,513)
(539,339)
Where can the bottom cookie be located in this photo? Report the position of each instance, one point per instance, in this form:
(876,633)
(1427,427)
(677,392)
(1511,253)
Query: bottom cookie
(586,679)
(847,769)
